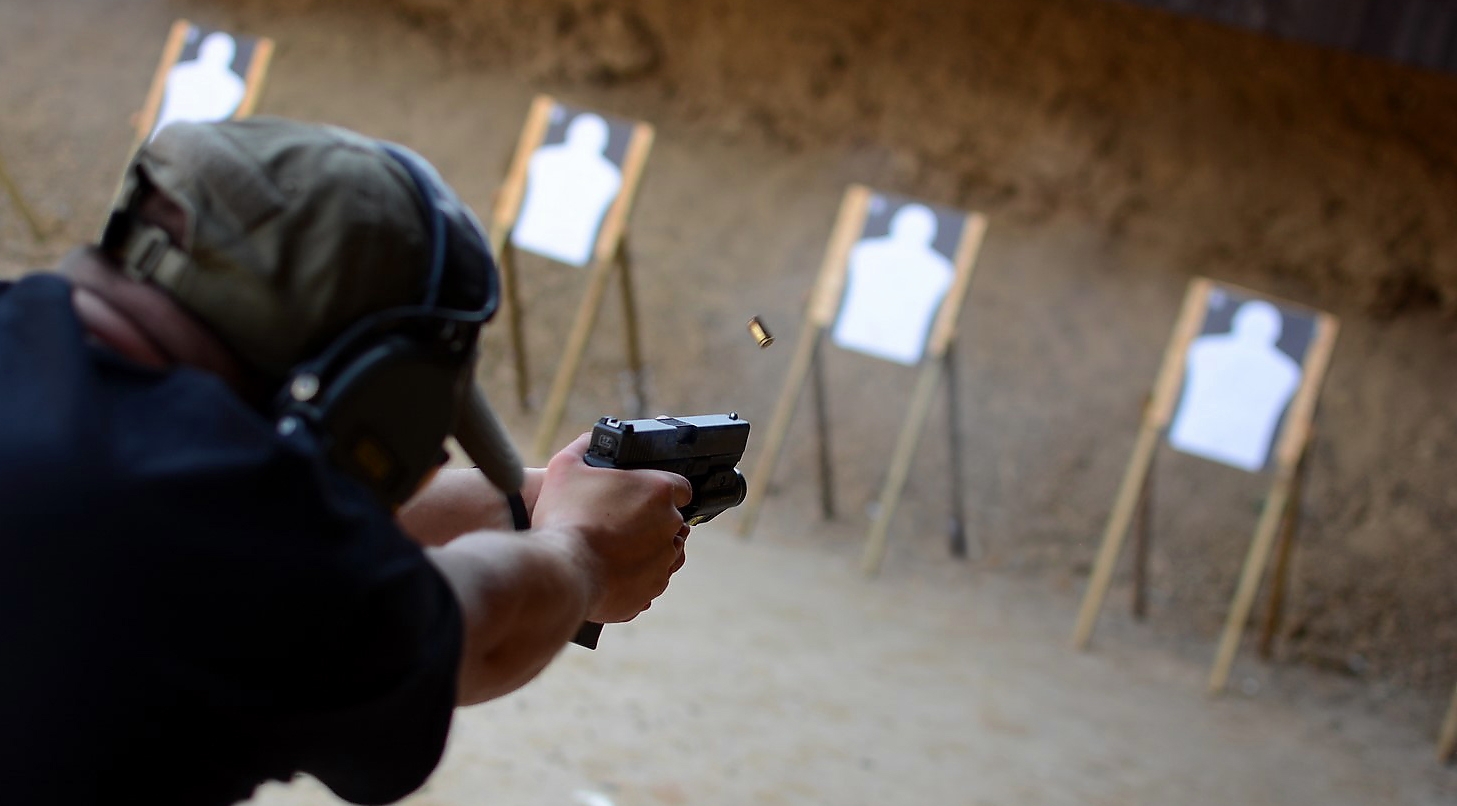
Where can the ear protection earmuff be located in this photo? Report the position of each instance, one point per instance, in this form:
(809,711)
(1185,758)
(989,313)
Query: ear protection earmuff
(385,394)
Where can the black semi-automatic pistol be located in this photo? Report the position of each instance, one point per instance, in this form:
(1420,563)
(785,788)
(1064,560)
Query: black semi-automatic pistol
(705,450)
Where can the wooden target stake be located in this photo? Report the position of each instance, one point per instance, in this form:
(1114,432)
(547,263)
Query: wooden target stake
(820,312)
(900,465)
(1447,742)
(18,199)
(612,254)
(1155,417)
(1285,547)
(1290,455)
(933,367)
(503,220)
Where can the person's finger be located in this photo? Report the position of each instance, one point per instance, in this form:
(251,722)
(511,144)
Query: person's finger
(684,492)
(579,445)
(682,488)
(573,453)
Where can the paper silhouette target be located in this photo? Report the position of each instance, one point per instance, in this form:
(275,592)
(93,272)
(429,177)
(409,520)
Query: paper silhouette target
(1240,374)
(205,85)
(205,75)
(572,179)
(896,277)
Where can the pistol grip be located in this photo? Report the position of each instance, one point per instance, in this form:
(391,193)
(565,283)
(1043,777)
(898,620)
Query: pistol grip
(588,634)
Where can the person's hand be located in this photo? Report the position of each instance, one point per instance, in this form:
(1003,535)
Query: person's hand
(625,521)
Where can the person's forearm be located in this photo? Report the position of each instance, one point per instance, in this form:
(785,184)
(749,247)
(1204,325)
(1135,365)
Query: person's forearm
(522,597)
(458,501)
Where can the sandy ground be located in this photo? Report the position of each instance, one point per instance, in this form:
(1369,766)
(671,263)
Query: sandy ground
(773,674)
(1117,153)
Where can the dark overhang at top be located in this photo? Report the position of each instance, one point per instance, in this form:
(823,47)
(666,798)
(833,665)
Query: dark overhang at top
(1417,32)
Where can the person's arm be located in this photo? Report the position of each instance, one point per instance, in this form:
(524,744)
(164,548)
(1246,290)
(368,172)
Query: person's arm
(604,545)
(461,500)
(522,596)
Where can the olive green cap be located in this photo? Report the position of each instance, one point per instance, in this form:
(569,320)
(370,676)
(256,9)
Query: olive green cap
(293,232)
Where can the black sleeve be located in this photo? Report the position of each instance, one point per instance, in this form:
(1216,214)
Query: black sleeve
(323,636)
(377,684)
(197,599)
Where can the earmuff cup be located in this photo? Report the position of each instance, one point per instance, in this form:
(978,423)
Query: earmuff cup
(384,412)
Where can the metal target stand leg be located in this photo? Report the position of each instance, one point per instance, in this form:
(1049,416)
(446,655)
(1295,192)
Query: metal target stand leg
(634,345)
(822,432)
(1142,538)
(960,545)
(515,320)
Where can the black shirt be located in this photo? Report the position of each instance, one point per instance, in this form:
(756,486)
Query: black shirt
(191,604)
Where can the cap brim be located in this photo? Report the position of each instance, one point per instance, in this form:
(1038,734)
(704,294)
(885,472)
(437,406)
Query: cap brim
(486,442)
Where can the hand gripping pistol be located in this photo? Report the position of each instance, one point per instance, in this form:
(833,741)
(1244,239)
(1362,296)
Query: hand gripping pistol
(704,449)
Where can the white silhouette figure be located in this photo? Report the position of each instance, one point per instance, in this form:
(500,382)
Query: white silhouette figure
(893,289)
(1236,387)
(568,189)
(205,88)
